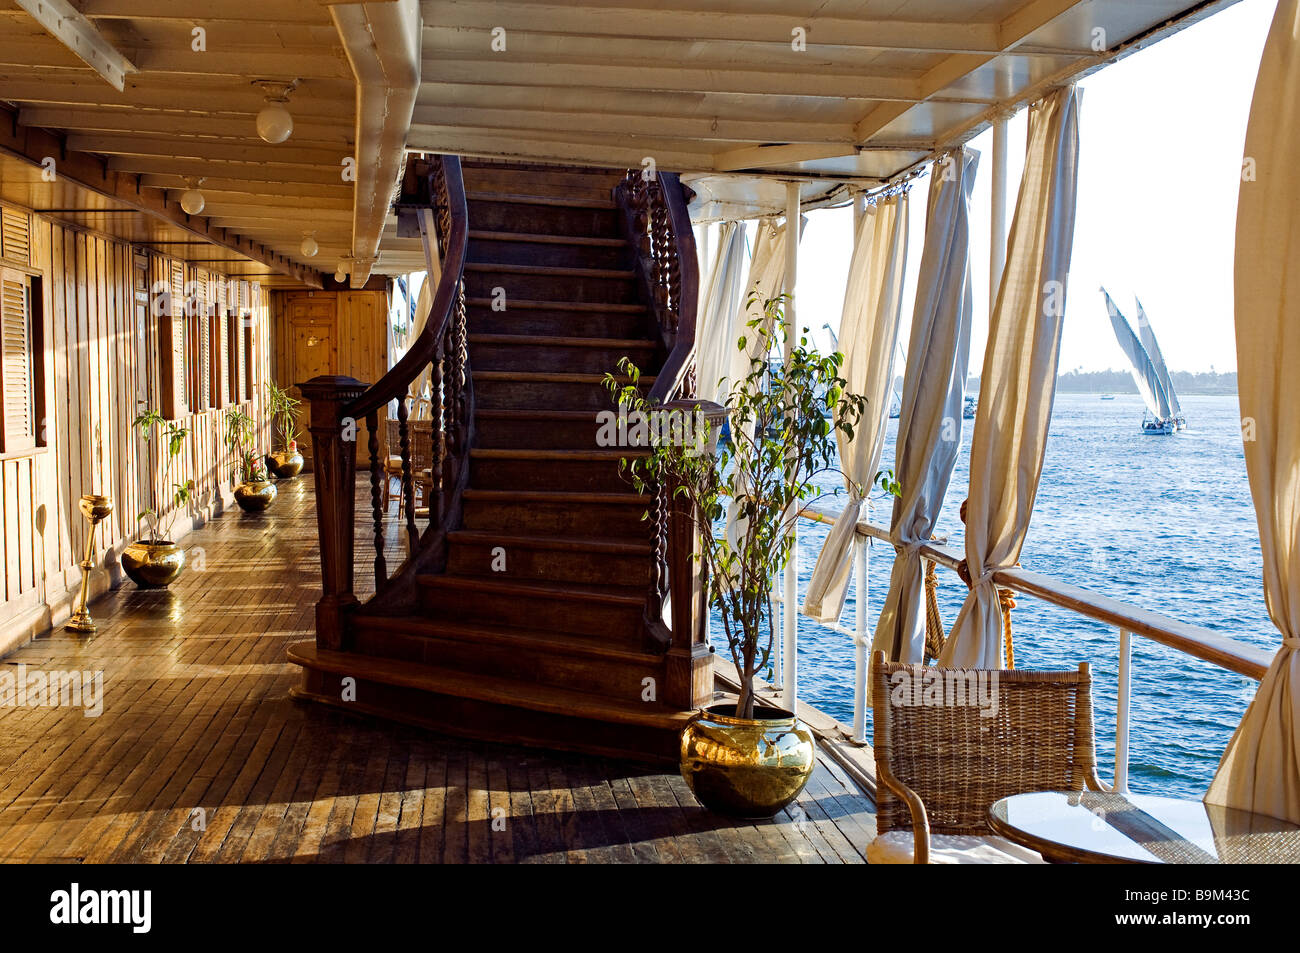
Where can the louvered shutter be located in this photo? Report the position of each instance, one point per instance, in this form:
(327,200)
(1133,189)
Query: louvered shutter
(199,324)
(15,236)
(172,346)
(16,377)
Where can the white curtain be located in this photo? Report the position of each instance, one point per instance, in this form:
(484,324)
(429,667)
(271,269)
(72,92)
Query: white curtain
(717,329)
(766,281)
(1260,770)
(1018,382)
(873,300)
(934,384)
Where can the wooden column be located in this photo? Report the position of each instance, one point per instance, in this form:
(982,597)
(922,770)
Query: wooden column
(334,456)
(689,671)
(790,589)
(998,216)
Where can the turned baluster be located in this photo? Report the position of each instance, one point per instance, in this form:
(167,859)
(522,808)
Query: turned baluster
(376,496)
(436,482)
(408,478)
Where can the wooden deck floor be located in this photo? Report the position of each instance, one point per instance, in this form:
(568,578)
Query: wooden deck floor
(200,755)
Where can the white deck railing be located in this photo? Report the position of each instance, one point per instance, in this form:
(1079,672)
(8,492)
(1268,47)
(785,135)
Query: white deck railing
(1129,620)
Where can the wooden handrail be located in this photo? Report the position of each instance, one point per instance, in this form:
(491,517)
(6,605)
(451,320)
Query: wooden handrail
(1196,641)
(395,384)
(436,196)
(669,380)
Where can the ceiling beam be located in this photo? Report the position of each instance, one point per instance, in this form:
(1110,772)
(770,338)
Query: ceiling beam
(645,78)
(243,172)
(255,190)
(229,150)
(649,123)
(767,157)
(66,24)
(589,19)
(132,120)
(88,172)
(252,11)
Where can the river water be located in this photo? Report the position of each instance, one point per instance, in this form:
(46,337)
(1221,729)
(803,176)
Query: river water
(1165,523)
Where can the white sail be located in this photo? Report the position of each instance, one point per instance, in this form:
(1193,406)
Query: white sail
(1144,372)
(1148,337)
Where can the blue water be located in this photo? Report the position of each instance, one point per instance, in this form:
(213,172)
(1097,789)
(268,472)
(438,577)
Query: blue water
(1164,523)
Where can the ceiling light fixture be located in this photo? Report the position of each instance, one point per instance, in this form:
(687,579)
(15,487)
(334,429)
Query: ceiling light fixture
(309,247)
(274,124)
(192,200)
(341,273)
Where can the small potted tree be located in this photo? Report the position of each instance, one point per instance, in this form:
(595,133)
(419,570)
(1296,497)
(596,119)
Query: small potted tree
(155,562)
(743,756)
(285,463)
(254,492)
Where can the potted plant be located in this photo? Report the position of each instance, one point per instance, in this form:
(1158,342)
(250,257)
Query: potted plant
(254,492)
(155,561)
(288,462)
(745,757)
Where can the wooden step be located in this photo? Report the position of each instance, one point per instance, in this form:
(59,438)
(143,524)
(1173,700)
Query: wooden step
(611,612)
(586,471)
(582,663)
(551,283)
(557,512)
(577,251)
(555,181)
(537,429)
(545,215)
(564,559)
(497,352)
(550,201)
(560,318)
(519,390)
(490,707)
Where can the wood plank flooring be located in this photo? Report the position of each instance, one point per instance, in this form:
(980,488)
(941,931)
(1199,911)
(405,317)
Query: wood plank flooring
(199,755)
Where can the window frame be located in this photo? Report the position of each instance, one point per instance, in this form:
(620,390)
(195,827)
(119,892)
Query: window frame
(38,363)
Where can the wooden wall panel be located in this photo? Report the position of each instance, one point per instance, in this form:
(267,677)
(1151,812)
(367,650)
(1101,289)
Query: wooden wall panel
(97,368)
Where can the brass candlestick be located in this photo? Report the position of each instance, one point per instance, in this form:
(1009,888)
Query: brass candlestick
(95,509)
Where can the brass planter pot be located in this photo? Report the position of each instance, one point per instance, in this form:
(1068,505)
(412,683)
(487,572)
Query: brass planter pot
(255,496)
(747,767)
(285,464)
(153,565)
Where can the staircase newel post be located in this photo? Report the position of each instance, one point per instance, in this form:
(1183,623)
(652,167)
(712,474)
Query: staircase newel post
(690,659)
(334,465)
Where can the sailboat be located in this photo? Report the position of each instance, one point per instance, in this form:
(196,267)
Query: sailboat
(1148,337)
(1161,417)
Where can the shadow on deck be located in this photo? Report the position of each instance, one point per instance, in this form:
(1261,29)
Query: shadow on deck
(199,755)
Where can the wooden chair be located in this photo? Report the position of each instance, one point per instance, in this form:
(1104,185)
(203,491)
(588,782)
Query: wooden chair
(939,767)
(393,464)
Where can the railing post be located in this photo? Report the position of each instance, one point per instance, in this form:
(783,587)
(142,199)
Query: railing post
(689,671)
(334,463)
(860,639)
(1123,701)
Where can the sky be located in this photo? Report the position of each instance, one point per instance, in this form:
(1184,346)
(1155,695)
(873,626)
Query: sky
(1161,141)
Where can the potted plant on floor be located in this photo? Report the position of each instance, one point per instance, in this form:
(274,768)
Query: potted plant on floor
(745,757)
(254,492)
(155,561)
(288,462)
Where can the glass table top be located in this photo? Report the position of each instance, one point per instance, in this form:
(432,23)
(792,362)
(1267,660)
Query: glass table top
(1142,828)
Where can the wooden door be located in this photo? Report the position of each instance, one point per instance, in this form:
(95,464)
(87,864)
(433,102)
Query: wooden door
(313,350)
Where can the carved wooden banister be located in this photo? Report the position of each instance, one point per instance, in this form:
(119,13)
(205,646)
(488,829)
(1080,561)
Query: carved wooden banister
(658,227)
(658,223)
(434,197)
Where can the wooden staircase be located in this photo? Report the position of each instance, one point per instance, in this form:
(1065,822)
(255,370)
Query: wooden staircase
(530,608)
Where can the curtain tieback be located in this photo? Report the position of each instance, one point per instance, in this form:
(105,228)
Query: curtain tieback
(1291,644)
(963,570)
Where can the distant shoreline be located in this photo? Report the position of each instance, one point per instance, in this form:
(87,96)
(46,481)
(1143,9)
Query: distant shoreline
(1205,384)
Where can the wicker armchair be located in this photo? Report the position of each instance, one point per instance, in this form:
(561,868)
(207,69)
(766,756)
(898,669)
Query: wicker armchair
(940,767)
